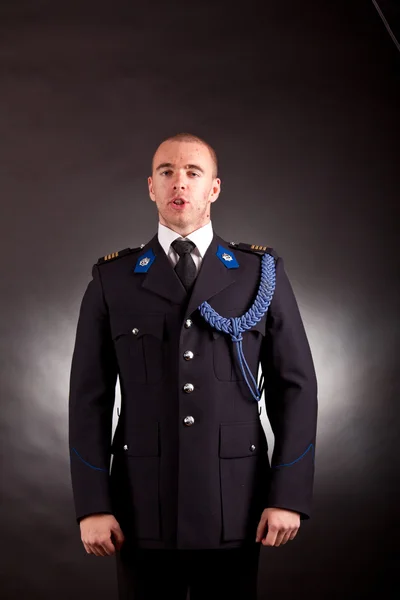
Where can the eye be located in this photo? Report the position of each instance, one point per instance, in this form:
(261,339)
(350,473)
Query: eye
(193,173)
(167,171)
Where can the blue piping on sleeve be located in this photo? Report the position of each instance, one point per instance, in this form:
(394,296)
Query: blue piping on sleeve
(86,463)
(297,459)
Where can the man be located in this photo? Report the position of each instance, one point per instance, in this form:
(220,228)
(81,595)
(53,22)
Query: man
(185,321)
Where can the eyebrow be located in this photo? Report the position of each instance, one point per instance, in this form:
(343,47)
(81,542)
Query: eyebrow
(163,165)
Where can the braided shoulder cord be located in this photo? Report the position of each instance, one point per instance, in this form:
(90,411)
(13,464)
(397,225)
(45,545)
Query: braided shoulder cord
(235,326)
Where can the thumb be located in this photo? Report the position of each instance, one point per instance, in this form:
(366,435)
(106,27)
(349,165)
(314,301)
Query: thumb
(261,526)
(117,537)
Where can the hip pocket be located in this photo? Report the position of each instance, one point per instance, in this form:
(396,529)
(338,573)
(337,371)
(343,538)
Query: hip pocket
(244,474)
(137,455)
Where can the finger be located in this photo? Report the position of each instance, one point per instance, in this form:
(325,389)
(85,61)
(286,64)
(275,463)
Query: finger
(109,547)
(90,548)
(86,547)
(105,547)
(261,529)
(101,551)
(118,538)
(293,534)
(280,535)
(96,548)
(118,543)
(104,551)
(286,537)
(269,539)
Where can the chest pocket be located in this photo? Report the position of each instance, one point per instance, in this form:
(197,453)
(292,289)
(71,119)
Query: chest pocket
(139,340)
(225,355)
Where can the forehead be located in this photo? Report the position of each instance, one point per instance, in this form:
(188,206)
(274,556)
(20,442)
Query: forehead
(179,152)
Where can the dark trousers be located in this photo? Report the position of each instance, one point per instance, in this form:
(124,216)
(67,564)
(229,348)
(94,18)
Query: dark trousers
(208,574)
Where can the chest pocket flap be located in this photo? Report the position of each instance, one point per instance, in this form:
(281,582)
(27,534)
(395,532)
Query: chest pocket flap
(226,365)
(138,325)
(238,312)
(139,344)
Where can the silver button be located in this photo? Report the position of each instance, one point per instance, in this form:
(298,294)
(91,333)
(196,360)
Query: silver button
(188,421)
(188,387)
(125,447)
(188,355)
(135,331)
(188,323)
(252,448)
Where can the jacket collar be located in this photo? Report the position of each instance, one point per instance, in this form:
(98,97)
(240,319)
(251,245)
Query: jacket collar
(212,278)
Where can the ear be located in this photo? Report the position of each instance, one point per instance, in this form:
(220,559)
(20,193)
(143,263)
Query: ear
(151,191)
(216,188)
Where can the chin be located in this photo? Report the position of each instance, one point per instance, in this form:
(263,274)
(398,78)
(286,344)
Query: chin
(175,218)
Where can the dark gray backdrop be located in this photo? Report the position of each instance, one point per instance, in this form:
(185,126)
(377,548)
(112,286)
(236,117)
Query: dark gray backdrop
(300,101)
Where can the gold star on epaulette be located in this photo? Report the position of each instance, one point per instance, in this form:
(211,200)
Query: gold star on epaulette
(119,254)
(253,248)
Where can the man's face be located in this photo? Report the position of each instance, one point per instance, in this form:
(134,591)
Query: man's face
(183,171)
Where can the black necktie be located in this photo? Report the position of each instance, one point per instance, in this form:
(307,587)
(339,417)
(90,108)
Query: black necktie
(185,267)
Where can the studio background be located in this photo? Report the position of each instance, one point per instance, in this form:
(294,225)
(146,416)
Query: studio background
(300,101)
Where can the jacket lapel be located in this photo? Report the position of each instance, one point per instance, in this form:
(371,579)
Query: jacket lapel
(212,278)
(161,277)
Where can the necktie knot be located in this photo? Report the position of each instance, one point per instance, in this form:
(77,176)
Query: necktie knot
(185,267)
(182,247)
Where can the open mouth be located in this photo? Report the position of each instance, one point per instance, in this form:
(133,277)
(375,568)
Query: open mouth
(178,204)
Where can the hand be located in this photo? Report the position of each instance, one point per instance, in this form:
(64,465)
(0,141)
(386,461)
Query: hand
(101,534)
(283,526)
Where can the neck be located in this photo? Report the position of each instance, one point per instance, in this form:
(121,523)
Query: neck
(184,230)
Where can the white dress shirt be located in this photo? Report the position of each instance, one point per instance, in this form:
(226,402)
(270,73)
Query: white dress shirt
(201,237)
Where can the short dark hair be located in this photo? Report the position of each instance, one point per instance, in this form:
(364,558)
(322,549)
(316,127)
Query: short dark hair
(189,137)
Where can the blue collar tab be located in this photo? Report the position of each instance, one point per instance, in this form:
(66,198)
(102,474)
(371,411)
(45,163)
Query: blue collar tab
(145,261)
(227,258)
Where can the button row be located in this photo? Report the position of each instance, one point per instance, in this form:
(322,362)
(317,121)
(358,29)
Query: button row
(188,387)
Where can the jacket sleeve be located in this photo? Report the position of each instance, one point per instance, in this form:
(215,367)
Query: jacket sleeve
(91,402)
(290,400)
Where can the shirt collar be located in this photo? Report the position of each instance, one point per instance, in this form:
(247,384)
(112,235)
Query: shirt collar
(201,237)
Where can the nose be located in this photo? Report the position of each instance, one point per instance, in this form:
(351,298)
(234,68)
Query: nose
(179,182)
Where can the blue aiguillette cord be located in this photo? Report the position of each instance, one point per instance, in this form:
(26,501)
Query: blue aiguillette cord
(235,326)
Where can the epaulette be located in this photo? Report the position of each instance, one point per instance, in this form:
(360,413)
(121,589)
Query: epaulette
(254,248)
(119,254)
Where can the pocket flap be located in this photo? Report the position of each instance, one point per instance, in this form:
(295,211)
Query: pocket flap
(241,439)
(140,440)
(259,326)
(137,325)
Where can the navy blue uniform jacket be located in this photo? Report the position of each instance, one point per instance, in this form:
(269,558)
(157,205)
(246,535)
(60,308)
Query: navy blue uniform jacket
(173,485)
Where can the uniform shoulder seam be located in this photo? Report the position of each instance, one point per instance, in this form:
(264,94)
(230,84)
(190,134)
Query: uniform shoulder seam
(119,254)
(254,248)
